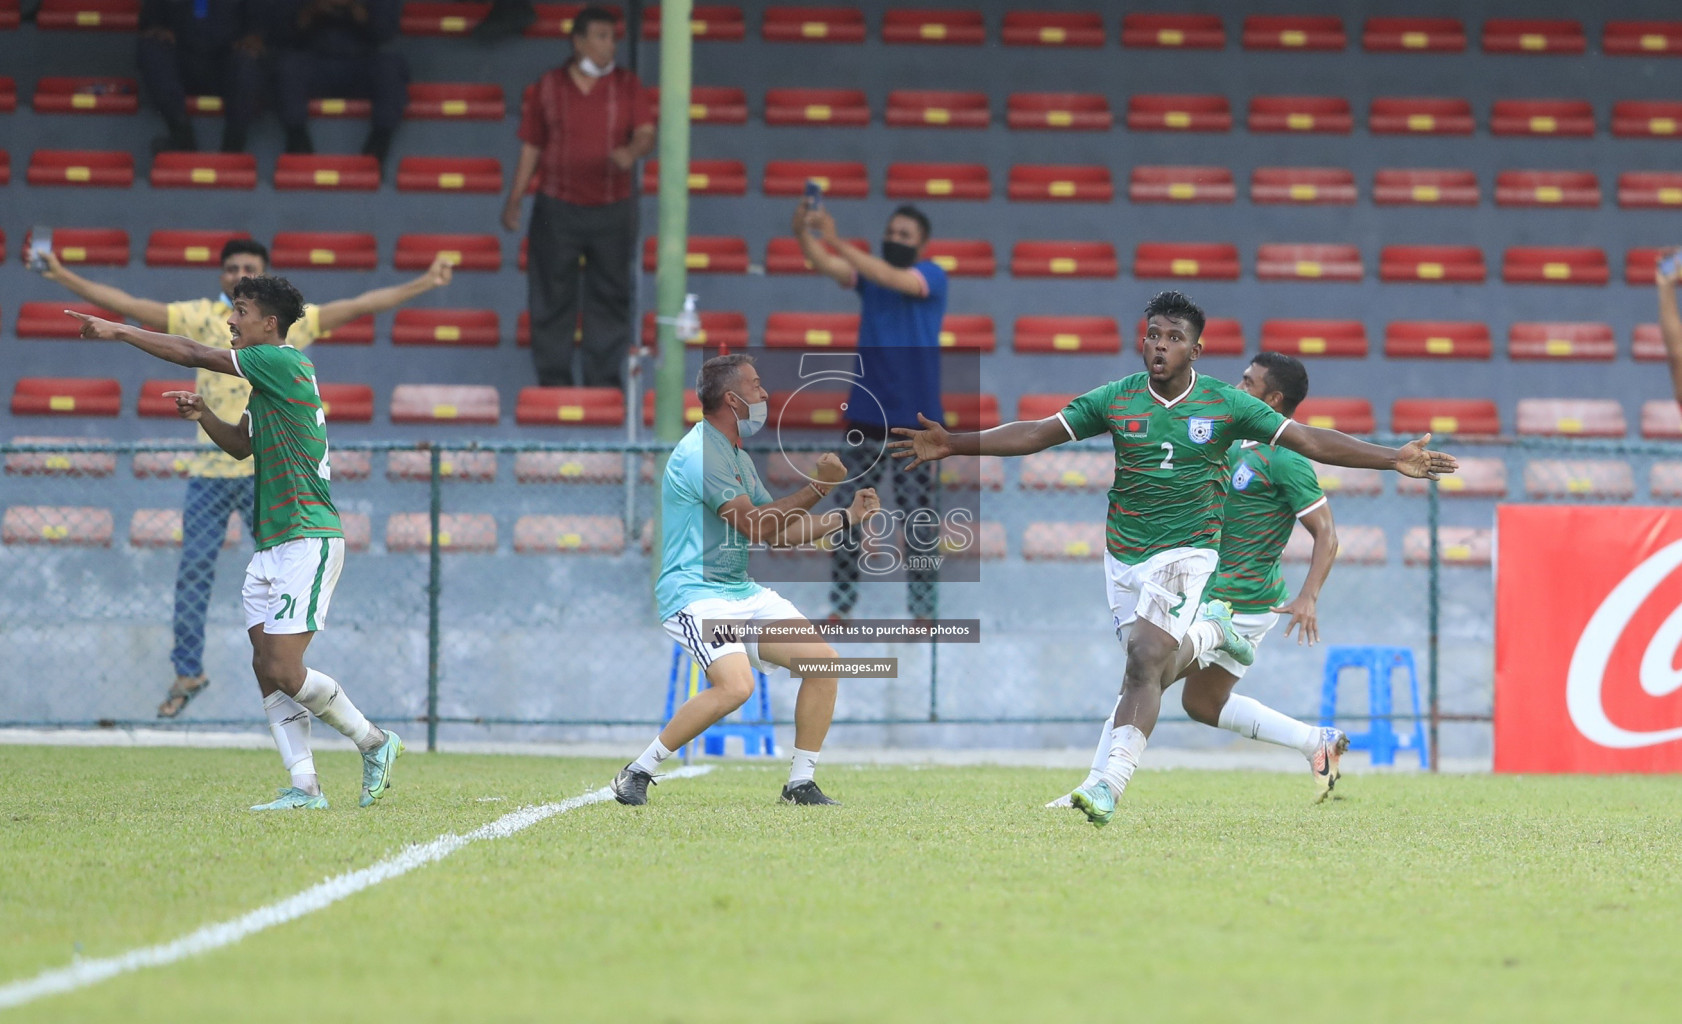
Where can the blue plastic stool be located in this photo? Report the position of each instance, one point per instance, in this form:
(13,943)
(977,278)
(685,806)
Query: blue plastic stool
(1380,738)
(758,735)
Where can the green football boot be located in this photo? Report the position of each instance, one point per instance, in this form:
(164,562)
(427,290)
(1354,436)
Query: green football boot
(291,798)
(1232,641)
(1096,801)
(376,768)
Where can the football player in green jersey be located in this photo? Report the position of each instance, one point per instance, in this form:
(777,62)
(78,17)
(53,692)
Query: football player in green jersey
(300,544)
(1170,428)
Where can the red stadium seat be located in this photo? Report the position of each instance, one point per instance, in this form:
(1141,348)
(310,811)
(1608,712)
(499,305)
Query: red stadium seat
(1661,419)
(1468,546)
(1646,118)
(1172,31)
(1341,480)
(808,408)
(962,257)
(1078,541)
(470,532)
(554,21)
(340,106)
(1552,118)
(152,403)
(9,15)
(1474,417)
(1550,264)
(161,528)
(920,108)
(345,250)
(569,534)
(585,407)
(1315,337)
(47,319)
(1350,415)
(707,254)
(1446,264)
(1533,35)
(441,19)
(1293,32)
(1181,185)
(8,94)
(1579,478)
(1060,183)
(973,473)
(707,22)
(938,181)
(57,525)
(1646,189)
(1039,407)
(65,463)
(969,411)
(88,15)
(1665,480)
(456,101)
(358,332)
(55,95)
(327,173)
(446,327)
(1426,115)
(1424,188)
(1476,478)
(1297,262)
(812,330)
(449,174)
(467,252)
(724,328)
(1064,259)
(167,248)
(1641,38)
(842,179)
(706,178)
(347,403)
(1323,114)
(1547,188)
(204,170)
(1072,111)
(445,403)
(1067,471)
(569,467)
(1578,341)
(1646,344)
(950,28)
(1414,35)
(1437,339)
(464,464)
(1046,28)
(1570,417)
(784,256)
(1222,336)
(1641,266)
(5,179)
(1177,113)
(1083,334)
(691,408)
(1320,185)
(983,540)
(840,107)
(812,25)
(967,331)
(66,396)
(1214,261)
(712,104)
(105,247)
(87,167)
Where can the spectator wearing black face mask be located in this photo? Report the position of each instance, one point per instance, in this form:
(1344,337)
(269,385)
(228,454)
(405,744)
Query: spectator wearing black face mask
(902,301)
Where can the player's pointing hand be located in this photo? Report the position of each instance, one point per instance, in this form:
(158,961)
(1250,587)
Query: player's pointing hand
(931,444)
(188,405)
(95,329)
(1415,460)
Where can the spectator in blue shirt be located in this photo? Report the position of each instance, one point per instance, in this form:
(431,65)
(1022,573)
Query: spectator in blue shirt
(902,301)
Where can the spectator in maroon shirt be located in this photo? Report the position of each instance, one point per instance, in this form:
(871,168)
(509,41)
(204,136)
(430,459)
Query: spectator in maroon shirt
(583,127)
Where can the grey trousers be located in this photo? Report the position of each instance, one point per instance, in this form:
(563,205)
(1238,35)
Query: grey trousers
(604,236)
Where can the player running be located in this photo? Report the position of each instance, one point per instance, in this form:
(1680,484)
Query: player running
(1171,428)
(712,508)
(300,545)
(1270,488)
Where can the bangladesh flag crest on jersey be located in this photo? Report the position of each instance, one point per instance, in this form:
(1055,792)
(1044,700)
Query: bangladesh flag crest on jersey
(1135,427)
(1201,429)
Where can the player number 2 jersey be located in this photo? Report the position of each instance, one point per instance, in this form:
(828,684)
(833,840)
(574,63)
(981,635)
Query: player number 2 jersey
(1271,488)
(288,446)
(1170,458)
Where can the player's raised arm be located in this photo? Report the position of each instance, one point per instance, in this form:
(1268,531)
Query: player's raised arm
(169,347)
(342,311)
(233,438)
(934,442)
(1336,448)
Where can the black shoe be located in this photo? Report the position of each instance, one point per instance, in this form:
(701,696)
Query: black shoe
(630,786)
(806,793)
(506,18)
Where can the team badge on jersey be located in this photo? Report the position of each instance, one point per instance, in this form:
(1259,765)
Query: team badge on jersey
(1200,429)
(1242,476)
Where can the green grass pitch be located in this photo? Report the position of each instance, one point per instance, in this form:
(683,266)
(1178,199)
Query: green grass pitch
(937,894)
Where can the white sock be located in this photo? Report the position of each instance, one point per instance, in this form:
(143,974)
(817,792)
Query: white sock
(289,723)
(652,757)
(1127,745)
(1256,720)
(805,762)
(1101,756)
(327,701)
(1201,638)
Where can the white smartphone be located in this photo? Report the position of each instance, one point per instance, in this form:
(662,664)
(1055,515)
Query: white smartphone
(40,243)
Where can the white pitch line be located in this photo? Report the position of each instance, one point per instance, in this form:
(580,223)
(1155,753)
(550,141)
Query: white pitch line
(83,973)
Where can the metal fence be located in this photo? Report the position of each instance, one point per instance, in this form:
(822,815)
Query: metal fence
(503,589)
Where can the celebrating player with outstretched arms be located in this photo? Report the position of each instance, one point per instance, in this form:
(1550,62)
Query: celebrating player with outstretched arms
(1171,428)
(300,545)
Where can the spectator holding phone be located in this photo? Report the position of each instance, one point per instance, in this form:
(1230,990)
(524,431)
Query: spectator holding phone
(902,301)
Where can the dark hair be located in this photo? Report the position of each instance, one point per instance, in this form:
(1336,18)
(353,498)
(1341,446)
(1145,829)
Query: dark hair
(582,21)
(245,246)
(1286,375)
(275,297)
(915,214)
(717,376)
(1177,306)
